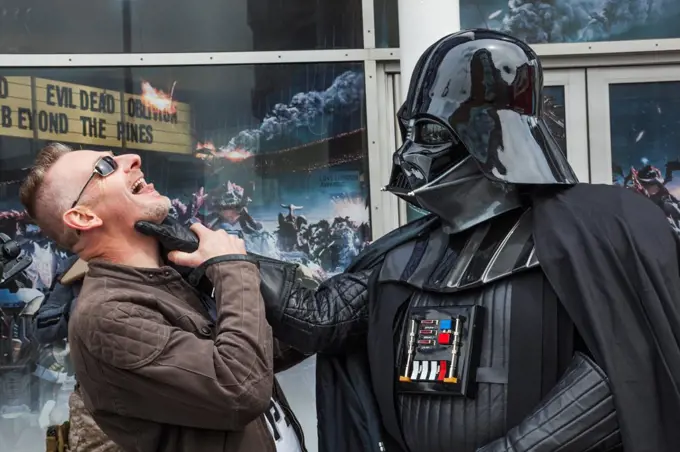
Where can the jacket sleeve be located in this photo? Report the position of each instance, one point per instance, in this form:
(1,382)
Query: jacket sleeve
(180,379)
(286,356)
(323,320)
(578,415)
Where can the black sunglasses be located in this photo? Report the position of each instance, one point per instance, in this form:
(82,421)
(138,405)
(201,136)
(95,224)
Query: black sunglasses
(105,166)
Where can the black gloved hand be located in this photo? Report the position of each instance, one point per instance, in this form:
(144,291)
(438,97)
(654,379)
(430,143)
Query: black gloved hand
(172,235)
(175,236)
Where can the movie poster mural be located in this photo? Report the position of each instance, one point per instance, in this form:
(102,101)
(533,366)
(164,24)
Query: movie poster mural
(555,117)
(644,120)
(560,21)
(277,152)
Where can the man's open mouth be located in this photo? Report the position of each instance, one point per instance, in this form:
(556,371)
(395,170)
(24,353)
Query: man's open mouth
(139,186)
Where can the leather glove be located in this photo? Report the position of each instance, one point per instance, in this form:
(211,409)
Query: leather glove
(176,236)
(171,234)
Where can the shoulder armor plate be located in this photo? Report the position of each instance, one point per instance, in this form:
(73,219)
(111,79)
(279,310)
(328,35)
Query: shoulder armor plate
(488,252)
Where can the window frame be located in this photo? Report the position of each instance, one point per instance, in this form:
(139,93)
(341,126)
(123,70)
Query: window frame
(599,80)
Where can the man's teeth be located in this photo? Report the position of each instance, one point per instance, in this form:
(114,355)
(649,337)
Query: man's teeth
(139,185)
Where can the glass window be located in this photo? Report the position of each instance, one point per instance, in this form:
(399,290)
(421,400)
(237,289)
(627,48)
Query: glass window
(554,114)
(574,21)
(157,26)
(276,151)
(644,118)
(386,23)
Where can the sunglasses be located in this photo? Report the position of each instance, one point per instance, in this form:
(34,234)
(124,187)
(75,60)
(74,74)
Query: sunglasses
(104,167)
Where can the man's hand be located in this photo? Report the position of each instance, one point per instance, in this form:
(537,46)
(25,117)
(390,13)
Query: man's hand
(210,244)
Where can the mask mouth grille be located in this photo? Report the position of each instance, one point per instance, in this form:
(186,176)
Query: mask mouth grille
(399,181)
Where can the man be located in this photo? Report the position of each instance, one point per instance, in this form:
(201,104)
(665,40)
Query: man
(527,313)
(158,370)
(81,433)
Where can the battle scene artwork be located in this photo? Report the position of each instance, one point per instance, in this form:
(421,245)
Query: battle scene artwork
(648,181)
(326,246)
(560,21)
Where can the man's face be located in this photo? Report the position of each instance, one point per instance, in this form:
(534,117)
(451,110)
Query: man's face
(115,201)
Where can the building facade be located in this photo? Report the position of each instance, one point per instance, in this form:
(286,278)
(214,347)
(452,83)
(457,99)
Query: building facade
(277,117)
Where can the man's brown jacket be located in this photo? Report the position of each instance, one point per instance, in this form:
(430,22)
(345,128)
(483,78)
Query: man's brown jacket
(157,375)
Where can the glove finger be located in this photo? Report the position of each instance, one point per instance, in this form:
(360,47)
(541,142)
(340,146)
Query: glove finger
(147,228)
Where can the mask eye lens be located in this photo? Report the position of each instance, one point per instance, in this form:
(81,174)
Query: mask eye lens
(430,133)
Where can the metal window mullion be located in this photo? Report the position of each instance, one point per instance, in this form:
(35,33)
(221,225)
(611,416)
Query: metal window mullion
(368,19)
(183,59)
(378,227)
(607,47)
(197,59)
(599,127)
(576,118)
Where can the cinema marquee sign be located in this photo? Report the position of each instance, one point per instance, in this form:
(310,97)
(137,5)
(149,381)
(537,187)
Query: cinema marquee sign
(50,110)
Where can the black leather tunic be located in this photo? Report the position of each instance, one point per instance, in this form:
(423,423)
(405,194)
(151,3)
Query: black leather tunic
(445,423)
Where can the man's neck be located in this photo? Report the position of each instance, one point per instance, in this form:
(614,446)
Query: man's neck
(133,251)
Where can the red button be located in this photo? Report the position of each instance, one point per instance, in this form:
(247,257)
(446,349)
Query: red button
(445,338)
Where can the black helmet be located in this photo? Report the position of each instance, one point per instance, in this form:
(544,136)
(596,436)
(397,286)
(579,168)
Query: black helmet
(476,94)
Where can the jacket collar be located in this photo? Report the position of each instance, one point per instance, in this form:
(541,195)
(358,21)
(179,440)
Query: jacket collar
(149,276)
(75,272)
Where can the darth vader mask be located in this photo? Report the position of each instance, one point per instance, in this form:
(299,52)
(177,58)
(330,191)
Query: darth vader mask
(434,171)
(472,125)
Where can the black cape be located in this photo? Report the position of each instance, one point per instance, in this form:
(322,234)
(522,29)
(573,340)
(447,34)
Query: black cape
(612,258)
(613,261)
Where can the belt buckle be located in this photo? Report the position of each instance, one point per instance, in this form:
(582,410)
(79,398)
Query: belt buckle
(442,350)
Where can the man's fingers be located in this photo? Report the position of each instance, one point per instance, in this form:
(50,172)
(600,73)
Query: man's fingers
(179,258)
(198,229)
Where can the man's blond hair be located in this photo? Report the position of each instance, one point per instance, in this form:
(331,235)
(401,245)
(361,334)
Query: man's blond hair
(47,200)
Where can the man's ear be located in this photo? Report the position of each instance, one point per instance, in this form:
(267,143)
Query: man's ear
(81,219)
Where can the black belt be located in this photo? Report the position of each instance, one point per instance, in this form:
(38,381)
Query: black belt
(533,357)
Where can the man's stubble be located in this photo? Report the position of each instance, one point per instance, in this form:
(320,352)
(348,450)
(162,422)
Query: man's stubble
(158,211)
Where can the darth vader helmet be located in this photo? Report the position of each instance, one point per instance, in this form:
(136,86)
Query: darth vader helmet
(474,111)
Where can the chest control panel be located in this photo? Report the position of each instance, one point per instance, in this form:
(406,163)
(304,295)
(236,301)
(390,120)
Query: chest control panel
(440,352)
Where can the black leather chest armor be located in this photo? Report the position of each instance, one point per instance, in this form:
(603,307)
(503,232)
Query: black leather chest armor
(447,276)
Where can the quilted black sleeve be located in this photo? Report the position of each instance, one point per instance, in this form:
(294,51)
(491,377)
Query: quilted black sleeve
(578,415)
(327,319)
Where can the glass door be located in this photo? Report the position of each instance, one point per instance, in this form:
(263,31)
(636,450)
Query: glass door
(634,116)
(564,110)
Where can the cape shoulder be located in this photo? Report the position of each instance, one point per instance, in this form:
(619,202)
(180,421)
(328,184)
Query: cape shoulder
(616,215)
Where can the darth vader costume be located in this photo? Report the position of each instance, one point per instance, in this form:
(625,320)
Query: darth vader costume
(528,312)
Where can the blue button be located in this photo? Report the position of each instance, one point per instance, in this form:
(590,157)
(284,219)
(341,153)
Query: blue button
(445,324)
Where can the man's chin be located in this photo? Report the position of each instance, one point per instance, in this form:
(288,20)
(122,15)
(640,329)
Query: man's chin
(157,212)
